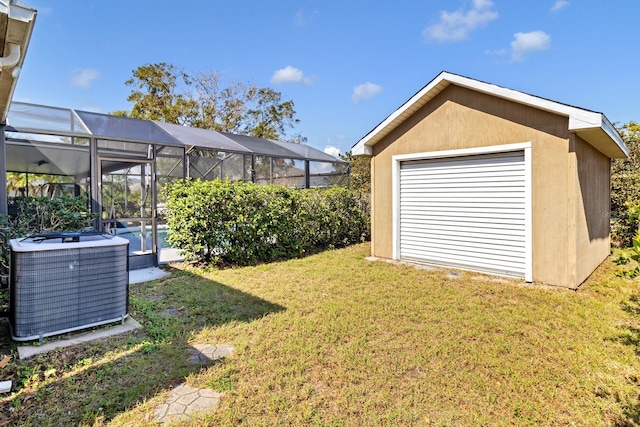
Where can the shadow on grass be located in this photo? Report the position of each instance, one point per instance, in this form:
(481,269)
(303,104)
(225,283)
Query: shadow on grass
(94,382)
(631,337)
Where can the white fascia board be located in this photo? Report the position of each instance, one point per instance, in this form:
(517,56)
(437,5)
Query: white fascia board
(610,130)
(364,145)
(600,122)
(579,119)
(16,11)
(362,150)
(577,116)
(21,13)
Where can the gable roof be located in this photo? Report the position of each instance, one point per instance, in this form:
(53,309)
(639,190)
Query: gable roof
(591,126)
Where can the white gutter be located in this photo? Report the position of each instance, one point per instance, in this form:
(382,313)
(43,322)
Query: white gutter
(17,35)
(12,59)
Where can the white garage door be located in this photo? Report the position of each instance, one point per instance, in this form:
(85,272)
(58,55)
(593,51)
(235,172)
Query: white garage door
(468,212)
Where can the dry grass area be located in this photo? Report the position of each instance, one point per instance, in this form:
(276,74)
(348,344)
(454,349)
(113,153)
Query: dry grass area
(335,340)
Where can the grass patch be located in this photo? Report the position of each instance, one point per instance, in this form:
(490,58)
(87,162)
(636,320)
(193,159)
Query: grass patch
(333,339)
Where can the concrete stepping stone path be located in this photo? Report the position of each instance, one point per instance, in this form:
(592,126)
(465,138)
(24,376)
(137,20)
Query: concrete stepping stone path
(185,402)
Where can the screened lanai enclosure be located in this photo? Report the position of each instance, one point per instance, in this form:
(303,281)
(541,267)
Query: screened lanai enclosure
(122,164)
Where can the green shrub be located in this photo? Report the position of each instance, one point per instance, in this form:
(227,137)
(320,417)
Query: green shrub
(40,215)
(243,223)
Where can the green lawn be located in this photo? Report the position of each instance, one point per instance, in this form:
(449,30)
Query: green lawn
(335,340)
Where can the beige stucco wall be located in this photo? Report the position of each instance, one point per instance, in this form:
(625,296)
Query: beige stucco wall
(592,189)
(460,118)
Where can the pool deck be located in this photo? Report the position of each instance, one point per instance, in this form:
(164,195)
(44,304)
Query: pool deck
(146,275)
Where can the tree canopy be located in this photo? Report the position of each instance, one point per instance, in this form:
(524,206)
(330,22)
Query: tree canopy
(165,93)
(625,188)
(360,171)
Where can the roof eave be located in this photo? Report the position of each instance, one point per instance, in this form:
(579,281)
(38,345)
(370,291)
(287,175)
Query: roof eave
(599,134)
(591,126)
(19,29)
(422,97)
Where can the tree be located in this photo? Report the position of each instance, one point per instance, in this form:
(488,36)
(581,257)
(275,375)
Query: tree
(220,108)
(625,188)
(270,117)
(156,94)
(360,174)
(162,92)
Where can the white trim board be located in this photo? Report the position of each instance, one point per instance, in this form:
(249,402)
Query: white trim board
(594,127)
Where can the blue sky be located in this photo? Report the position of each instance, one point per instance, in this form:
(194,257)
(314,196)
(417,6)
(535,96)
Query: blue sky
(346,65)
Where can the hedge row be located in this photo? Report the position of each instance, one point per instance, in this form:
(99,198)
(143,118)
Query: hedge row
(238,223)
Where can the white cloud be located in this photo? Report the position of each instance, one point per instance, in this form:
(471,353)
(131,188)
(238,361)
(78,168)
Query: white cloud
(290,74)
(302,18)
(365,91)
(83,77)
(332,151)
(457,25)
(524,43)
(559,4)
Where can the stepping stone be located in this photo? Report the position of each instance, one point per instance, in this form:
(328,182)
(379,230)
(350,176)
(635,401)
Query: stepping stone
(207,353)
(186,402)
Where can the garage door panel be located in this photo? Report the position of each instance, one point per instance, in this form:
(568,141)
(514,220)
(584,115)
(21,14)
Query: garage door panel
(424,212)
(511,266)
(452,224)
(512,263)
(508,209)
(479,172)
(438,185)
(428,218)
(476,211)
(459,202)
(462,237)
(468,221)
(469,197)
(474,246)
(447,253)
(507,160)
(507,169)
(465,211)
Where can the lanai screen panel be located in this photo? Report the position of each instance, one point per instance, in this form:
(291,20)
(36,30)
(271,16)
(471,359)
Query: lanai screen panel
(39,118)
(202,138)
(260,146)
(232,167)
(304,151)
(107,126)
(328,174)
(205,164)
(289,172)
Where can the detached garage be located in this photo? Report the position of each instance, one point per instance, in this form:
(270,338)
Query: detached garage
(475,176)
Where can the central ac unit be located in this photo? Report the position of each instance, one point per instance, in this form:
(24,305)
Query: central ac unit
(62,282)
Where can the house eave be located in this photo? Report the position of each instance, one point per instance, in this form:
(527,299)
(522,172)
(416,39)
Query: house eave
(16,28)
(593,127)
